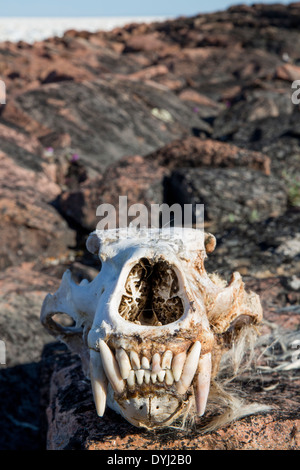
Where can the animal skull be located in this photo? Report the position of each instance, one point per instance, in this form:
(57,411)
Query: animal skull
(149,327)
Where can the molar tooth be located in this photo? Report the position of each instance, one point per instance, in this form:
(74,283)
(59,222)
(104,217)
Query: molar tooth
(145,363)
(98,381)
(124,362)
(135,360)
(147,375)
(131,378)
(139,376)
(203,383)
(190,368)
(177,365)
(167,359)
(156,363)
(161,375)
(169,378)
(111,368)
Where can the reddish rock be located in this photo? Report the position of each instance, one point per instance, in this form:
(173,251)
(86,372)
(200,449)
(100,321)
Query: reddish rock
(195,97)
(194,152)
(288,72)
(56,140)
(22,291)
(15,116)
(144,42)
(149,72)
(31,229)
(138,179)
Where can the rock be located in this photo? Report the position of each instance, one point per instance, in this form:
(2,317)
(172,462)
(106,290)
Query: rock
(139,179)
(149,73)
(144,42)
(259,118)
(115,114)
(263,248)
(31,228)
(194,152)
(288,72)
(19,408)
(196,98)
(24,150)
(54,76)
(23,289)
(230,196)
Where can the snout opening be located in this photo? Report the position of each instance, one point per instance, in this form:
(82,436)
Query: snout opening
(151,294)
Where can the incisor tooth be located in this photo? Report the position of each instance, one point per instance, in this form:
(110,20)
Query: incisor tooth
(139,376)
(190,368)
(147,376)
(203,383)
(169,378)
(124,362)
(135,360)
(156,363)
(98,381)
(161,375)
(166,359)
(111,368)
(153,377)
(177,365)
(131,378)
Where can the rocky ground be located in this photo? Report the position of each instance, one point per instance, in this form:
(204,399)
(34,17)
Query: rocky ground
(191,110)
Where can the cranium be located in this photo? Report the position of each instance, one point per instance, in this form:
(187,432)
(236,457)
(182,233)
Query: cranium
(150,327)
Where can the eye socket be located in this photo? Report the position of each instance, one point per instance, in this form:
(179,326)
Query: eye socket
(151,294)
(63,320)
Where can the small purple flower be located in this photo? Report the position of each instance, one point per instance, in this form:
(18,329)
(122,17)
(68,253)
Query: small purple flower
(49,152)
(74,157)
(196,110)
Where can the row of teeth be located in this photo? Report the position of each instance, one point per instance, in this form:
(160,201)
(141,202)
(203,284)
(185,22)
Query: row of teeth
(121,369)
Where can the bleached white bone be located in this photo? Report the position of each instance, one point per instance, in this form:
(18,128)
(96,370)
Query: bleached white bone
(143,366)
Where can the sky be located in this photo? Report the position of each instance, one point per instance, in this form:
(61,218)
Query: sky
(98,8)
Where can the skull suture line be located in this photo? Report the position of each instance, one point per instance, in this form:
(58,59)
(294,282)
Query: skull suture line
(152,326)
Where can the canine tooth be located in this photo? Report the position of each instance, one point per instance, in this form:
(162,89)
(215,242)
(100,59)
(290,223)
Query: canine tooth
(161,375)
(124,362)
(131,378)
(98,381)
(111,368)
(147,375)
(190,368)
(177,365)
(139,376)
(145,363)
(203,383)
(169,378)
(135,360)
(167,359)
(156,363)
(153,377)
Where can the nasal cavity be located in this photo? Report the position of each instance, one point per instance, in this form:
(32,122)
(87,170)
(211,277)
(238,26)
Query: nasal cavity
(151,294)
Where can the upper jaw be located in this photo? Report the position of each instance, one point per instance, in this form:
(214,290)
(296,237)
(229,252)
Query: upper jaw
(136,379)
(134,363)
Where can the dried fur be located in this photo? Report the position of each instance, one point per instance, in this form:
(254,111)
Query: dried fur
(226,402)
